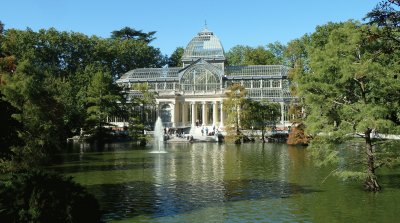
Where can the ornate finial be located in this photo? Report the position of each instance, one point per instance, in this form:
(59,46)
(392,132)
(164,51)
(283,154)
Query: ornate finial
(205,24)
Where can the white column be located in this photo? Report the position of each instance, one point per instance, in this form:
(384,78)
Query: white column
(215,113)
(204,113)
(221,122)
(184,114)
(282,112)
(157,110)
(173,110)
(193,104)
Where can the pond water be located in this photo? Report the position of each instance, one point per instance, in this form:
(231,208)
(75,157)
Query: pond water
(210,182)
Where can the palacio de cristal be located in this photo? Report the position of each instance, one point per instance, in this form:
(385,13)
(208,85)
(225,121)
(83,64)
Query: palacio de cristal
(195,92)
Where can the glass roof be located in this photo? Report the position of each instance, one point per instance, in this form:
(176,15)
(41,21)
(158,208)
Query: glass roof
(151,73)
(205,45)
(257,70)
(235,72)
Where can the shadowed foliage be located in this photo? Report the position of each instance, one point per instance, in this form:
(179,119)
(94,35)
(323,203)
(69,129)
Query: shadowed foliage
(43,197)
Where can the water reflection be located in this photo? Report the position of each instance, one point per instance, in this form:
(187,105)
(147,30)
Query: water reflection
(189,177)
(216,182)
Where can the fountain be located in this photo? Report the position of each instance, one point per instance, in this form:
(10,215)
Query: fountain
(158,146)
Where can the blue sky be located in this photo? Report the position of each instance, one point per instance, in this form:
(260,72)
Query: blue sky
(251,22)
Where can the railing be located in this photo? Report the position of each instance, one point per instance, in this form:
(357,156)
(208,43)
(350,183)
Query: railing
(177,124)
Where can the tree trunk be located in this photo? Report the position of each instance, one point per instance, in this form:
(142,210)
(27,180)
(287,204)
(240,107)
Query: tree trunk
(263,134)
(371,182)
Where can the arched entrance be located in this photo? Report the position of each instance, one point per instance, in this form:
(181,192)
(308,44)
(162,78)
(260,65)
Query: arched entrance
(165,115)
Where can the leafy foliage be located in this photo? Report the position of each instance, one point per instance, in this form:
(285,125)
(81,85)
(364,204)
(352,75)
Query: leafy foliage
(128,33)
(8,131)
(234,109)
(245,55)
(140,112)
(345,92)
(48,77)
(386,15)
(39,110)
(260,115)
(102,98)
(297,135)
(175,60)
(42,197)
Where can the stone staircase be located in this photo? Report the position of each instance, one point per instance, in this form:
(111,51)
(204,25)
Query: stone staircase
(197,136)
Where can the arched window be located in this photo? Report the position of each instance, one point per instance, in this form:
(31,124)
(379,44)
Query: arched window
(199,78)
(165,114)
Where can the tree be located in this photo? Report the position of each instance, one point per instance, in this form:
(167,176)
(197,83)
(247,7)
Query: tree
(102,101)
(8,132)
(236,55)
(9,126)
(260,56)
(140,113)
(386,15)
(262,114)
(45,78)
(346,94)
(1,27)
(37,196)
(128,33)
(234,109)
(39,110)
(175,60)
(278,50)
(130,54)
(245,55)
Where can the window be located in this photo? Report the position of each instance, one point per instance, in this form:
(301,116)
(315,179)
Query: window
(200,79)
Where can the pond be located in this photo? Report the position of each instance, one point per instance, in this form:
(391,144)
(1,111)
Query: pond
(210,182)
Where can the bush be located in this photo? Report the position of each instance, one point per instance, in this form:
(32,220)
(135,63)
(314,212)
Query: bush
(297,135)
(37,196)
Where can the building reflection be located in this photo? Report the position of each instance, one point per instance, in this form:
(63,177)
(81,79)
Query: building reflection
(196,176)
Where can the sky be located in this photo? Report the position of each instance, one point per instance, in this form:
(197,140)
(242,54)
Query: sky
(249,22)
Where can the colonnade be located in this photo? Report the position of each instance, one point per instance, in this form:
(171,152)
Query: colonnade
(197,113)
(192,113)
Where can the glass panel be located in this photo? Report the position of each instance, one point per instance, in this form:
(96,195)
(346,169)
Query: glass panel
(200,79)
(276,83)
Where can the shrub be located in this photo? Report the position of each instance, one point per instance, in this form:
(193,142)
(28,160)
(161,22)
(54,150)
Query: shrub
(37,196)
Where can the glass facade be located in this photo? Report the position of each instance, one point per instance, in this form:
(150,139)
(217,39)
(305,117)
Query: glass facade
(195,91)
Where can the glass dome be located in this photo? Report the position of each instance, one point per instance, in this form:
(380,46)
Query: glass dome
(206,46)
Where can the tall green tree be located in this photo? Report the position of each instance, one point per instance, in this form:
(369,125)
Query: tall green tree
(102,101)
(175,60)
(245,55)
(346,94)
(386,15)
(39,110)
(278,50)
(140,108)
(261,114)
(236,55)
(9,125)
(260,56)
(234,108)
(66,55)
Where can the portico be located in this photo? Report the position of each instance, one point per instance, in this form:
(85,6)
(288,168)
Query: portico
(191,112)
